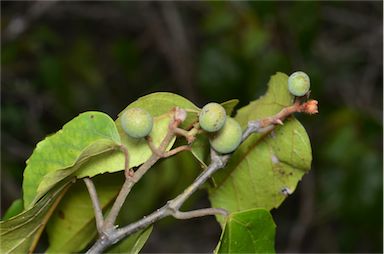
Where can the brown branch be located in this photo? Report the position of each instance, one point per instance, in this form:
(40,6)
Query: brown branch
(268,123)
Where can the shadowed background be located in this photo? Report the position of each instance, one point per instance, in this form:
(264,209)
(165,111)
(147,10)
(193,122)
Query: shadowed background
(62,58)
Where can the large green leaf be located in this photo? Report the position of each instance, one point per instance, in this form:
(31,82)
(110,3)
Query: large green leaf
(60,154)
(251,231)
(20,233)
(132,244)
(160,106)
(72,225)
(266,166)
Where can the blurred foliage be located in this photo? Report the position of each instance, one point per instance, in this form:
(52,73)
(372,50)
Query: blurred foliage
(62,58)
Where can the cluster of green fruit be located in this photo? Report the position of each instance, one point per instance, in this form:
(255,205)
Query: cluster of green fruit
(224,132)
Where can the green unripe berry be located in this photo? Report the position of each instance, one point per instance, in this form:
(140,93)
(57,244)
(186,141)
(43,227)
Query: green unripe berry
(136,122)
(228,138)
(298,83)
(212,117)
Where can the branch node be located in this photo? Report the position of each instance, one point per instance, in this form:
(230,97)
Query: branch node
(254,125)
(129,174)
(175,151)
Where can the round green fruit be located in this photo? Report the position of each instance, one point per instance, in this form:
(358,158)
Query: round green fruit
(136,122)
(298,83)
(212,117)
(228,138)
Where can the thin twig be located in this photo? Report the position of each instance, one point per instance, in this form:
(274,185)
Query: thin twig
(124,149)
(95,203)
(176,150)
(199,213)
(119,201)
(111,218)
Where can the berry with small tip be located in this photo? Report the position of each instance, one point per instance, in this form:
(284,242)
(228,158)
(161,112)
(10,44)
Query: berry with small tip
(228,138)
(212,117)
(298,83)
(136,122)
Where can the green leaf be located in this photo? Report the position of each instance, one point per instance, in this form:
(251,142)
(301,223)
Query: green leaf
(265,164)
(158,105)
(251,231)
(276,98)
(20,233)
(15,208)
(230,105)
(132,244)
(60,154)
(72,226)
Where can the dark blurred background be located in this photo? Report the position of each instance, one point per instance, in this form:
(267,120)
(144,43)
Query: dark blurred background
(62,58)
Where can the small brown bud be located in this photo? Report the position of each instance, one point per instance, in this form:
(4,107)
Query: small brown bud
(310,107)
